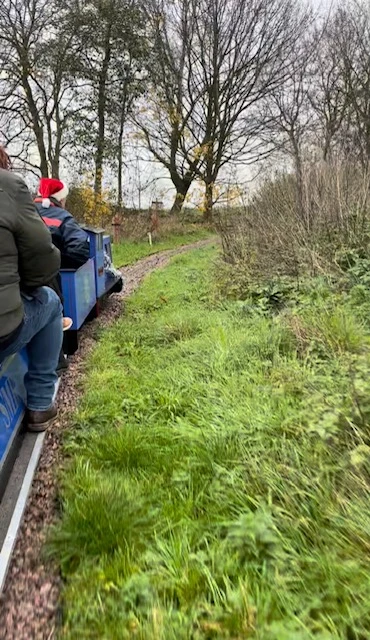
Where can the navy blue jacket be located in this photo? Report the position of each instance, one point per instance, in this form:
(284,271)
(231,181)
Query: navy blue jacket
(67,235)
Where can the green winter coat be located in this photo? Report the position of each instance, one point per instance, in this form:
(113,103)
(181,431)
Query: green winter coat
(28,258)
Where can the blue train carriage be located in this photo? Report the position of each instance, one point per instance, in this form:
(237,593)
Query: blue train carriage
(12,407)
(113,281)
(84,289)
(100,246)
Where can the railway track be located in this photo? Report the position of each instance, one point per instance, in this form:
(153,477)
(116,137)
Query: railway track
(14,501)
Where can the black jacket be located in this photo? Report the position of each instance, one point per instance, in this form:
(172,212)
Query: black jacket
(71,240)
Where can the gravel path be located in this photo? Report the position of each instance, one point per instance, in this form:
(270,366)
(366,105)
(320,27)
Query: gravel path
(29,606)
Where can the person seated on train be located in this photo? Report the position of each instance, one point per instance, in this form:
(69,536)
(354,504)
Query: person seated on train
(71,240)
(30,312)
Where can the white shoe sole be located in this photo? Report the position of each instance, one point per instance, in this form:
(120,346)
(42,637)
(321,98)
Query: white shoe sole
(67,326)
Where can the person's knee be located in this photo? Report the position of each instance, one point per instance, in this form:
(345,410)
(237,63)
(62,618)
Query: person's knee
(52,301)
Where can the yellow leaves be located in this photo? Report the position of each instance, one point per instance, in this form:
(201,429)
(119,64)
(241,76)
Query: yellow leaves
(174,116)
(88,207)
(200,152)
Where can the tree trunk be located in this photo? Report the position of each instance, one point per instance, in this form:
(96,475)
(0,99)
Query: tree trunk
(99,156)
(55,164)
(301,209)
(208,203)
(327,148)
(44,168)
(181,193)
(37,126)
(120,182)
(55,168)
(120,159)
(102,101)
(54,154)
(303,214)
(178,203)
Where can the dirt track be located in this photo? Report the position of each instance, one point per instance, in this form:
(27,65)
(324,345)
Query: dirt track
(30,605)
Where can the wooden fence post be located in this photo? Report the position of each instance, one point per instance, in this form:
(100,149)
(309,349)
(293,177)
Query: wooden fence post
(153,220)
(116,224)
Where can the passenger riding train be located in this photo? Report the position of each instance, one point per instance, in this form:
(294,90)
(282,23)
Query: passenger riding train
(83,290)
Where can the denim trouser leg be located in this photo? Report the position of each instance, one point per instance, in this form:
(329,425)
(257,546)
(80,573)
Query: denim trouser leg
(42,335)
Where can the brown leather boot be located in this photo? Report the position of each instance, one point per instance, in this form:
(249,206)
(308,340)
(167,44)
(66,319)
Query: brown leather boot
(38,421)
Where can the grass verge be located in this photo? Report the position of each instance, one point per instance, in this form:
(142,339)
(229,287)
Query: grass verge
(218,486)
(128,251)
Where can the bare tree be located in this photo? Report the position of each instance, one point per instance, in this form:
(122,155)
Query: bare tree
(289,117)
(37,57)
(244,55)
(328,91)
(352,36)
(213,63)
(170,101)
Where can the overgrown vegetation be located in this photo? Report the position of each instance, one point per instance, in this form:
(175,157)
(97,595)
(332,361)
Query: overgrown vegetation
(90,208)
(279,234)
(219,475)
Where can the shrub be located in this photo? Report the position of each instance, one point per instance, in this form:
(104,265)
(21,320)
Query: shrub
(89,208)
(273,235)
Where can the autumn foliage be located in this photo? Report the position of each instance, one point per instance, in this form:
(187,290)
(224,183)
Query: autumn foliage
(90,208)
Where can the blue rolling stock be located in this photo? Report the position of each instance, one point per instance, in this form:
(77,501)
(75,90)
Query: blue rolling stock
(12,404)
(79,292)
(82,291)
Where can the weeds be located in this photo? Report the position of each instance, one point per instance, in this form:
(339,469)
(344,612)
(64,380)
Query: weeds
(219,476)
(269,238)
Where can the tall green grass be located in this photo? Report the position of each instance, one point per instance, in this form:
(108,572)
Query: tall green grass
(129,251)
(218,485)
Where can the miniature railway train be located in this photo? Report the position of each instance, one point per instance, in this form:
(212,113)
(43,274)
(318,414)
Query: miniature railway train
(83,291)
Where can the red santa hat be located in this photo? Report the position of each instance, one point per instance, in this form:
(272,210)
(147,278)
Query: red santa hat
(52,188)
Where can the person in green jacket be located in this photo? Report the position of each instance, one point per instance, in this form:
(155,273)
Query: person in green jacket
(30,312)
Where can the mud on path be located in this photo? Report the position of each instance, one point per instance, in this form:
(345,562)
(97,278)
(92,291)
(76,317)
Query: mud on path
(30,604)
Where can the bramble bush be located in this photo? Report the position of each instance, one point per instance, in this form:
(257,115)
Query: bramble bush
(271,237)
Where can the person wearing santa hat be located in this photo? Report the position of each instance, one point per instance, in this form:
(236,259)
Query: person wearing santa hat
(71,240)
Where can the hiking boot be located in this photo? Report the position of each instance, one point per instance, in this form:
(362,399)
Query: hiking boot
(39,421)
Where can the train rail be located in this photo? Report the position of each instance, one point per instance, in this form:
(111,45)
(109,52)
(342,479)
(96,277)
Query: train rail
(15,495)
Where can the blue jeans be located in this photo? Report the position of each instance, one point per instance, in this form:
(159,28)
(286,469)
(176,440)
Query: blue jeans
(42,335)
